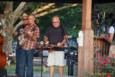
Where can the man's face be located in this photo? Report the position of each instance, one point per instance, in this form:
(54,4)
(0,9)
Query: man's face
(55,22)
(31,19)
(25,20)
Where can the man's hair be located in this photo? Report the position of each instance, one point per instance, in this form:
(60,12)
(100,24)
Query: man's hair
(56,17)
(32,15)
(24,15)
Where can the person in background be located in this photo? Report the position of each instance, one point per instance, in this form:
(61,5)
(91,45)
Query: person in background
(111,38)
(56,35)
(111,35)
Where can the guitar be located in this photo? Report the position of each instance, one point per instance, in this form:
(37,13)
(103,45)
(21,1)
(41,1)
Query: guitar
(52,47)
(2,54)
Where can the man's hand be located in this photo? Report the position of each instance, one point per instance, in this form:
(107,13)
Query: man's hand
(15,33)
(30,33)
(47,42)
(59,44)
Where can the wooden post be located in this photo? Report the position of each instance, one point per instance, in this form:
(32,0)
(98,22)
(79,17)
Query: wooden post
(80,62)
(88,36)
(88,51)
(86,14)
(85,62)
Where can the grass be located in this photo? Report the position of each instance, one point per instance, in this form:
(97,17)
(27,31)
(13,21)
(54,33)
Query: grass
(11,69)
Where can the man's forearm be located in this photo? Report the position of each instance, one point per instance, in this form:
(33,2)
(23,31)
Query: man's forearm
(46,40)
(64,40)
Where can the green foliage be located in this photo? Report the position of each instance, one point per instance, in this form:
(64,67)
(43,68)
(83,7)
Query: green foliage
(30,7)
(70,19)
(107,7)
(2,5)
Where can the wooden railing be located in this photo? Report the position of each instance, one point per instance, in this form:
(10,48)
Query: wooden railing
(101,45)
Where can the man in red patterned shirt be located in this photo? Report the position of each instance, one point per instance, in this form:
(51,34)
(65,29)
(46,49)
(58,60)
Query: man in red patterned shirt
(30,35)
(31,32)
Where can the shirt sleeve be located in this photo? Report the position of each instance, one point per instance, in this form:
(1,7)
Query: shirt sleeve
(64,31)
(111,29)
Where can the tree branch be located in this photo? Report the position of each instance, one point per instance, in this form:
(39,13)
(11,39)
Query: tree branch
(18,11)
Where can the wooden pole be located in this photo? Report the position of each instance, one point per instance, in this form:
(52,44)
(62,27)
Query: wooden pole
(80,61)
(86,53)
(88,37)
(86,14)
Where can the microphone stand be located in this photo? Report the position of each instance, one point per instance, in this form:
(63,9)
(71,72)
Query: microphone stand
(42,44)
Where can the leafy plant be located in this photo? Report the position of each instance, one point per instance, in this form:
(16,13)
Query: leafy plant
(104,65)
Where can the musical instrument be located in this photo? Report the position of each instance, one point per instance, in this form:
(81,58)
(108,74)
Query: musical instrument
(2,54)
(27,34)
(52,47)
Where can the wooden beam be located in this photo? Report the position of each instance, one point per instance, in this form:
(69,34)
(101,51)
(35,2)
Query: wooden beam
(54,10)
(43,8)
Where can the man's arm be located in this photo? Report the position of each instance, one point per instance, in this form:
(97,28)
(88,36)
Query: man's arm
(64,40)
(65,36)
(111,34)
(60,44)
(36,34)
(110,38)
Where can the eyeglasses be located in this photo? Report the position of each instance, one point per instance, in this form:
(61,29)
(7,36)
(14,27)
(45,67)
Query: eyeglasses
(24,19)
(55,22)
